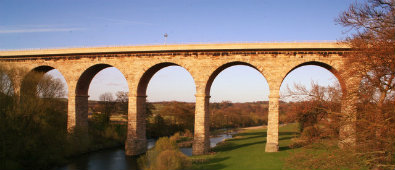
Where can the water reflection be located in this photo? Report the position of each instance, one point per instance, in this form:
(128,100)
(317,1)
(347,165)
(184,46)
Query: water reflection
(111,159)
(188,151)
(115,159)
(150,143)
(215,140)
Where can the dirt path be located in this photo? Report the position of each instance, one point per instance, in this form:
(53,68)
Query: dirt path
(259,127)
(254,127)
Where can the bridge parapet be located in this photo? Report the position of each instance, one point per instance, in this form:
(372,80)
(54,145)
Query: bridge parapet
(183,47)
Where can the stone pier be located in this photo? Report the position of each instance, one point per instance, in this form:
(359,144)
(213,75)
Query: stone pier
(201,141)
(136,140)
(272,127)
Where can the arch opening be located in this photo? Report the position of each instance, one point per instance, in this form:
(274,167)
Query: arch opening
(239,96)
(311,95)
(85,79)
(31,80)
(219,70)
(101,101)
(44,82)
(43,90)
(170,106)
(145,79)
(108,97)
(321,65)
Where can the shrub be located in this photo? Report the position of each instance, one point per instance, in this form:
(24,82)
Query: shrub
(171,159)
(298,142)
(311,133)
(111,133)
(165,155)
(324,155)
(188,133)
(176,137)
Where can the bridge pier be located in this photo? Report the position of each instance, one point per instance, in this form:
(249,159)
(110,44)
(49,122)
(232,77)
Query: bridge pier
(136,140)
(81,112)
(272,128)
(71,110)
(201,140)
(347,131)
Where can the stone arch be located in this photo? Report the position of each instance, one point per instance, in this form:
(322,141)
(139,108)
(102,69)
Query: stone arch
(136,142)
(347,133)
(42,69)
(149,73)
(24,84)
(326,66)
(86,77)
(214,74)
(201,144)
(81,93)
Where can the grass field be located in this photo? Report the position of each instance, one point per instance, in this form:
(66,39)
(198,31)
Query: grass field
(246,150)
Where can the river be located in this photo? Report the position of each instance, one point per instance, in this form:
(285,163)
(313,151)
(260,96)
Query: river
(115,159)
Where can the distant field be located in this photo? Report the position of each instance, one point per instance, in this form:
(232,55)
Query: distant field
(247,151)
(119,118)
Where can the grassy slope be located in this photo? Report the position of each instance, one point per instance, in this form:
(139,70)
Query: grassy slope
(247,151)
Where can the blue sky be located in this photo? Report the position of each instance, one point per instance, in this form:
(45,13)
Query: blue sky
(76,23)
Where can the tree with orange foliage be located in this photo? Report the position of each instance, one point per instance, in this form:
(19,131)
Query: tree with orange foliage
(373,43)
(317,110)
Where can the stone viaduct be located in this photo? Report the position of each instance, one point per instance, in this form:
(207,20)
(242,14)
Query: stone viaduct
(203,61)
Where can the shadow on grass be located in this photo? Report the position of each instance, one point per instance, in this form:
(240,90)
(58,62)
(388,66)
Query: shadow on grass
(211,163)
(286,138)
(251,136)
(288,133)
(284,148)
(228,146)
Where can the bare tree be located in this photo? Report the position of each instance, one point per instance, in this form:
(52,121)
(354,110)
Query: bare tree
(106,97)
(107,101)
(300,92)
(50,87)
(373,59)
(313,106)
(374,43)
(122,100)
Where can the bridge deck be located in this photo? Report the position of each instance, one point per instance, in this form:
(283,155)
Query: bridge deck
(183,47)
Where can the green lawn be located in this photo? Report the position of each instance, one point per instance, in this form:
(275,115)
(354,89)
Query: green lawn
(246,150)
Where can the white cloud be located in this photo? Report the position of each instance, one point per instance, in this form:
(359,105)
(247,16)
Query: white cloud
(31,30)
(123,21)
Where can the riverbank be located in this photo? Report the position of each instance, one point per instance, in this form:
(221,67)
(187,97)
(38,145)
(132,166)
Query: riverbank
(246,150)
